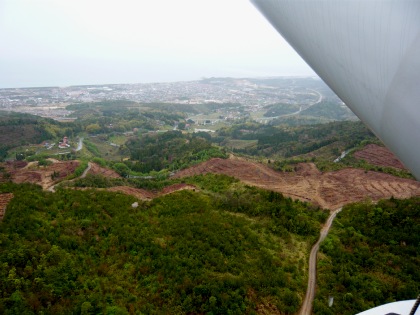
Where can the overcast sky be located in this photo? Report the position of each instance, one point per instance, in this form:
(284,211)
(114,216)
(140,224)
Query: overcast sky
(70,42)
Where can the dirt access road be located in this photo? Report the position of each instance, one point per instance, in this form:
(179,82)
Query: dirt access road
(310,291)
(52,188)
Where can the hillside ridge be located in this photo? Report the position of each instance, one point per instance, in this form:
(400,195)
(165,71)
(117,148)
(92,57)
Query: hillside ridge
(329,190)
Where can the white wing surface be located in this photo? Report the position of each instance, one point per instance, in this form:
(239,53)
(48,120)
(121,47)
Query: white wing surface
(368,52)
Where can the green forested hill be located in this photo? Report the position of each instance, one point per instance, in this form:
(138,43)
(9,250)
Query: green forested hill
(285,142)
(329,110)
(171,150)
(371,257)
(91,252)
(21,129)
(123,115)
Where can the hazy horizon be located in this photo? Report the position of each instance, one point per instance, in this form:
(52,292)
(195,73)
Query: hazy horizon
(50,43)
(314,76)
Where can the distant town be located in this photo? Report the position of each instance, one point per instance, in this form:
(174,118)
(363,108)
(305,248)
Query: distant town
(253,94)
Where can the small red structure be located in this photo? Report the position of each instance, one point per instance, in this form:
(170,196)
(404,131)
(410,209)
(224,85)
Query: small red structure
(64,144)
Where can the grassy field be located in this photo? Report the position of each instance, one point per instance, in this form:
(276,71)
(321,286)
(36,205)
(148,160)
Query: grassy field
(103,148)
(118,139)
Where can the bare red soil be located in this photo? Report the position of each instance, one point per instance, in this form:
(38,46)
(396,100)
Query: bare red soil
(177,187)
(329,190)
(16,164)
(96,169)
(139,193)
(4,201)
(46,176)
(380,156)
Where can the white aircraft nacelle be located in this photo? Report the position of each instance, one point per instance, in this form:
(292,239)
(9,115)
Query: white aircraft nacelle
(368,52)
(397,308)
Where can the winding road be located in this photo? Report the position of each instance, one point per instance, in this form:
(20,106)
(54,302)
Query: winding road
(301,108)
(80,144)
(310,291)
(52,188)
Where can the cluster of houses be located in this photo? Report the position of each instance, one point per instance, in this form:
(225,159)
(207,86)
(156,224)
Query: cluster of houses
(61,145)
(64,144)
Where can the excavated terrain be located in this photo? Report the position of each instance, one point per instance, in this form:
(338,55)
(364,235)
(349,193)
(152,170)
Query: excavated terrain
(380,156)
(45,176)
(95,169)
(329,190)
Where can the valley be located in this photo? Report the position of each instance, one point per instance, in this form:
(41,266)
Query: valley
(192,203)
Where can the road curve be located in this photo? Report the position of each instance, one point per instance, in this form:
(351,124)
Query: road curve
(52,188)
(80,144)
(320,98)
(310,291)
(86,170)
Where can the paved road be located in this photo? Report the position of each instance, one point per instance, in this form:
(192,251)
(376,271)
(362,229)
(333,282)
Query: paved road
(320,97)
(310,291)
(80,145)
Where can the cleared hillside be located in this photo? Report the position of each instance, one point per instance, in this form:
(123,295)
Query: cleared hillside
(329,190)
(377,155)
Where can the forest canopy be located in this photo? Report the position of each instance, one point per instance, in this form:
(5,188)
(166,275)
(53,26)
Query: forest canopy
(371,257)
(188,252)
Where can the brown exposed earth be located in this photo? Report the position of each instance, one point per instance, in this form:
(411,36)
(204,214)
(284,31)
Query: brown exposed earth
(23,172)
(4,201)
(45,176)
(95,169)
(380,156)
(329,190)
